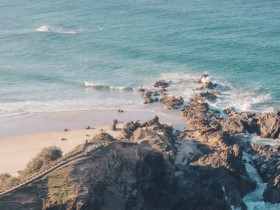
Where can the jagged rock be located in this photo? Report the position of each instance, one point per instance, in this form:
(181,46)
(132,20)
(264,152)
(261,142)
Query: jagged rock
(270,125)
(172,102)
(161,84)
(203,78)
(148,97)
(233,125)
(162,91)
(208,85)
(267,161)
(230,111)
(204,96)
(272,191)
(215,92)
(128,129)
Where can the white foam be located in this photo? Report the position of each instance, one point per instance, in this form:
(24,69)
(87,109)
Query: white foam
(184,83)
(205,79)
(94,102)
(104,86)
(46,28)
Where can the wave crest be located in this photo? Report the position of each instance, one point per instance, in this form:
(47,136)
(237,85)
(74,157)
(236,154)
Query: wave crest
(106,87)
(49,29)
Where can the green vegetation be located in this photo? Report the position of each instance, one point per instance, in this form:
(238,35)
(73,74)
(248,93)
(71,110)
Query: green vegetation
(60,186)
(4,177)
(103,137)
(7,181)
(44,158)
(41,160)
(75,150)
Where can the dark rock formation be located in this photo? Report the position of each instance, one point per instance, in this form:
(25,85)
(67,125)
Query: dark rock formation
(267,161)
(270,125)
(171,102)
(233,125)
(161,84)
(230,111)
(272,191)
(204,96)
(148,97)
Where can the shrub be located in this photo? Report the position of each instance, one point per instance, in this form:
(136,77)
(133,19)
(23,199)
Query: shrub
(103,137)
(44,158)
(4,177)
(8,182)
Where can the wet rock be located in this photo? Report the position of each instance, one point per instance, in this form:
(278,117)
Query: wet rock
(148,97)
(162,91)
(266,159)
(272,191)
(161,84)
(204,96)
(203,78)
(141,89)
(172,102)
(216,92)
(208,85)
(230,111)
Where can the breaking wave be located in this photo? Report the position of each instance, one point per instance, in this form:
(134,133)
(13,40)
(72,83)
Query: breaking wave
(49,29)
(183,84)
(106,87)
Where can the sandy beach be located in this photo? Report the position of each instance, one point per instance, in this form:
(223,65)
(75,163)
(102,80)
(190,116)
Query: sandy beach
(22,137)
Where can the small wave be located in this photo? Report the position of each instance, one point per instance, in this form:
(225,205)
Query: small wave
(49,29)
(106,87)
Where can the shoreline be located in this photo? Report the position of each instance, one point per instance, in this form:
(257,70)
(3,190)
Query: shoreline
(22,138)
(58,121)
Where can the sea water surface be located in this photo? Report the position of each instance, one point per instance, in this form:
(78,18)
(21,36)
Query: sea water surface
(78,55)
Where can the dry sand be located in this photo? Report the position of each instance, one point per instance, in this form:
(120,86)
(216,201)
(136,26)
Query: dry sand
(17,151)
(22,137)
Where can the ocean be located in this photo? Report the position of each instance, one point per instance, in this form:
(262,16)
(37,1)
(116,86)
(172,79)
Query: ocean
(80,55)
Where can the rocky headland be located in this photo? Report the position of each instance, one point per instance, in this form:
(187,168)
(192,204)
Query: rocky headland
(152,166)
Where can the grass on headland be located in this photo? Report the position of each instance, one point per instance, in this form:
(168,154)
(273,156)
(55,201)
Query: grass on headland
(59,189)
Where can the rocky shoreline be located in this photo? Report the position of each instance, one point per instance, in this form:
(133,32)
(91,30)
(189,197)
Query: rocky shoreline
(154,167)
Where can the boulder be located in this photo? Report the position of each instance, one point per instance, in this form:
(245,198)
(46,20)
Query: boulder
(269,125)
(161,84)
(233,125)
(204,96)
(208,85)
(272,191)
(128,129)
(230,111)
(148,97)
(172,102)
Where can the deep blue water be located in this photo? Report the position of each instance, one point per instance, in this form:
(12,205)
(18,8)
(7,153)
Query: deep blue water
(48,49)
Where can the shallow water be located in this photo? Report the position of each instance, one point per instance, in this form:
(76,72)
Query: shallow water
(50,49)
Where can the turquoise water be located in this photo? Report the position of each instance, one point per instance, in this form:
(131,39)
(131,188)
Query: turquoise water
(49,49)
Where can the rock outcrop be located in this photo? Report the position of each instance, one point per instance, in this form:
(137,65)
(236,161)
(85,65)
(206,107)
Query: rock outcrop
(267,161)
(171,102)
(161,84)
